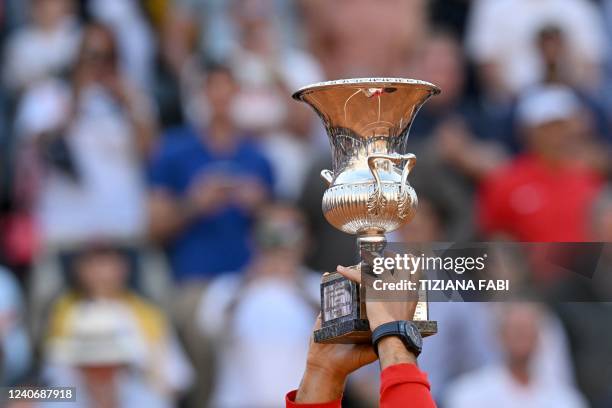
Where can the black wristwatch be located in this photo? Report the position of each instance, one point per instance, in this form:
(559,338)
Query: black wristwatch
(405,330)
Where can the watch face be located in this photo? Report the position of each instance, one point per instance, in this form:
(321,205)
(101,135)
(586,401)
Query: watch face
(415,336)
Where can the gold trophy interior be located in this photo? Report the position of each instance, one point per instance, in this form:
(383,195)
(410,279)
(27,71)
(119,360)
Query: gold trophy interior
(367,121)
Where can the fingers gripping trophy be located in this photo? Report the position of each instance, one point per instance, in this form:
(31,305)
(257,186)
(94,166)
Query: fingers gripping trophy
(367,121)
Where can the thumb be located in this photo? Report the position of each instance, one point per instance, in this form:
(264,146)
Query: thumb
(352,273)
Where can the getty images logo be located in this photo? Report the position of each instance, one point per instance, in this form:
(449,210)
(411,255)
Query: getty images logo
(412,264)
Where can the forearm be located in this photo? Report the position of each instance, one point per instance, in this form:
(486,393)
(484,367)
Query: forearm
(145,132)
(139,111)
(168,217)
(392,351)
(143,124)
(319,386)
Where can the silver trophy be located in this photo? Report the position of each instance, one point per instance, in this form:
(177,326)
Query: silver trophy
(367,121)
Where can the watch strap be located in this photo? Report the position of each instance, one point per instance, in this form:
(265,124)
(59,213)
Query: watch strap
(400,329)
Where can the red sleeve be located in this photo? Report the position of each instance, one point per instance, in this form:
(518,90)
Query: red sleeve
(404,385)
(290,403)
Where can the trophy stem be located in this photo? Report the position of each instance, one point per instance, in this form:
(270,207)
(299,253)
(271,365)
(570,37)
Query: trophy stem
(367,244)
(371,237)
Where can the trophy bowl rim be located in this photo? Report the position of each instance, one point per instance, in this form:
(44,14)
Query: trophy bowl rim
(297,95)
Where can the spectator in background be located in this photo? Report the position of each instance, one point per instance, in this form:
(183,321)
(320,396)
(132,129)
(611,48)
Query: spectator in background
(258,358)
(502,39)
(46,46)
(513,382)
(455,142)
(90,134)
(206,182)
(545,193)
(268,71)
(210,27)
(290,149)
(114,346)
(135,41)
(460,134)
(360,38)
(558,68)
(15,357)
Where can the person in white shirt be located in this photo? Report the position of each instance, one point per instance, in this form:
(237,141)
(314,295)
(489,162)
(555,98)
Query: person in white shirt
(502,39)
(89,134)
(261,318)
(515,383)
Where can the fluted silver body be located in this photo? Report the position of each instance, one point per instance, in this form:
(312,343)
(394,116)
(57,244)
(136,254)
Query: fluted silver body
(367,121)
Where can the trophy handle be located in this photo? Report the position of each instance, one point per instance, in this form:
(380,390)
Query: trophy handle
(377,200)
(328,176)
(410,163)
(405,205)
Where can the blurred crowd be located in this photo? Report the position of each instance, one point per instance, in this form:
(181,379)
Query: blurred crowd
(161,234)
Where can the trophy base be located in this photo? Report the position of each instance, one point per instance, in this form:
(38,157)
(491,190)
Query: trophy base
(343,318)
(347,332)
(358,332)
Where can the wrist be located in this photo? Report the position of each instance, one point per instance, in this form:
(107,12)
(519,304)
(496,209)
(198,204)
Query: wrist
(392,351)
(376,322)
(320,385)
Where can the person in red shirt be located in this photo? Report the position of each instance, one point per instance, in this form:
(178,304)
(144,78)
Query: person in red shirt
(545,194)
(328,365)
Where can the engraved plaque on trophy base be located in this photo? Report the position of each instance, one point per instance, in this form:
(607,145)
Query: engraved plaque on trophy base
(342,314)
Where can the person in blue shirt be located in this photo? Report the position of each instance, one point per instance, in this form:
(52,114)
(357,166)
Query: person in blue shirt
(206,184)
